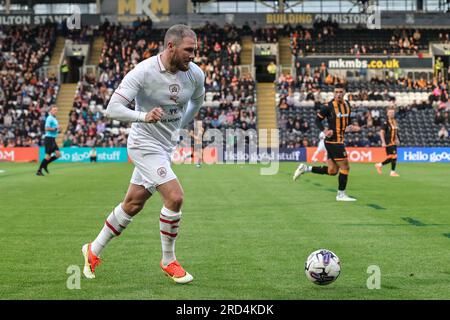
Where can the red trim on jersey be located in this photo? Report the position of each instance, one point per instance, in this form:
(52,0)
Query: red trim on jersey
(117,233)
(173,235)
(122,96)
(168,221)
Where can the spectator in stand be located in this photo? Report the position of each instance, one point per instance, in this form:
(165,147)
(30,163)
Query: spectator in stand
(304,127)
(443,133)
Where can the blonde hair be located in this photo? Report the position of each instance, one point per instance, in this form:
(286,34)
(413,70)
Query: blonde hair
(176,33)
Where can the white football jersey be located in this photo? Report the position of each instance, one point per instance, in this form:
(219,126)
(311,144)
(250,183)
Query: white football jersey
(152,86)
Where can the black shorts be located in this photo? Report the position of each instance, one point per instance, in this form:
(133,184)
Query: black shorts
(391,150)
(336,151)
(50,145)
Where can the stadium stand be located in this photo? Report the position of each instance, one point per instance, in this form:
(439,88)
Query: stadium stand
(421,99)
(328,38)
(422,110)
(25,97)
(230,101)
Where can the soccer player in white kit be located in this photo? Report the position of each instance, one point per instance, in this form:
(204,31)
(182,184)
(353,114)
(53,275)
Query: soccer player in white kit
(168,90)
(320,147)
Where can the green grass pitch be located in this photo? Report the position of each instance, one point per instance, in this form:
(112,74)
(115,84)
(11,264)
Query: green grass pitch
(243,235)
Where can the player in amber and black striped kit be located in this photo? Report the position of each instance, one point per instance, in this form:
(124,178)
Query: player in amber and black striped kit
(389,139)
(337,112)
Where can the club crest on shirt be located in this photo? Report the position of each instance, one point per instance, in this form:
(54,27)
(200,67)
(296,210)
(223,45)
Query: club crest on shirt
(174,90)
(161,172)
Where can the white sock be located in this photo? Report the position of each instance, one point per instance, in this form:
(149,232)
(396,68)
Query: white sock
(116,222)
(169,222)
(308,169)
(341,193)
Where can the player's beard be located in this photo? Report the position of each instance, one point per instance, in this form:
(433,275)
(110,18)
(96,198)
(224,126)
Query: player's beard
(180,64)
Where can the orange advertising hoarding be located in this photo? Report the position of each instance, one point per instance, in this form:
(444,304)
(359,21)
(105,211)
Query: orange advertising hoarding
(186,155)
(354,154)
(19,154)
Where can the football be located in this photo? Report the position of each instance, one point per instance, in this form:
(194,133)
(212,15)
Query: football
(322,267)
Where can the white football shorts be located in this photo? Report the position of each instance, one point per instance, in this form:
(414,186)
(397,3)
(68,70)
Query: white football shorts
(151,169)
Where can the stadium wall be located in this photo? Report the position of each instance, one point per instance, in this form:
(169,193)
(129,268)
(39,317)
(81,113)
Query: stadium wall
(210,155)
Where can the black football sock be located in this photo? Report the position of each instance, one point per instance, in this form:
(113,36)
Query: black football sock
(343,177)
(43,164)
(393,164)
(53,158)
(386,161)
(320,170)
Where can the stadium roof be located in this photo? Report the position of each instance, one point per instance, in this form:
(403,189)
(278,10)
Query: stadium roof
(33,2)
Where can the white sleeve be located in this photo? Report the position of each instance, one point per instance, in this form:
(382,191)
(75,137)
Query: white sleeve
(200,83)
(193,106)
(196,100)
(125,93)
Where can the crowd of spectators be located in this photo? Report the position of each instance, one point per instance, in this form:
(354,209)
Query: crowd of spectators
(328,36)
(84,34)
(25,98)
(236,104)
(297,122)
(311,83)
(124,47)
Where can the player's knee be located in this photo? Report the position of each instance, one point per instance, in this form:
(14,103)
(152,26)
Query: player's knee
(132,206)
(332,171)
(174,201)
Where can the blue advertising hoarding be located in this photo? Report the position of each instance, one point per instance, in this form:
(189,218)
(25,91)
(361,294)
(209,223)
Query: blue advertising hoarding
(431,155)
(263,155)
(83,154)
(296,155)
(75,154)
